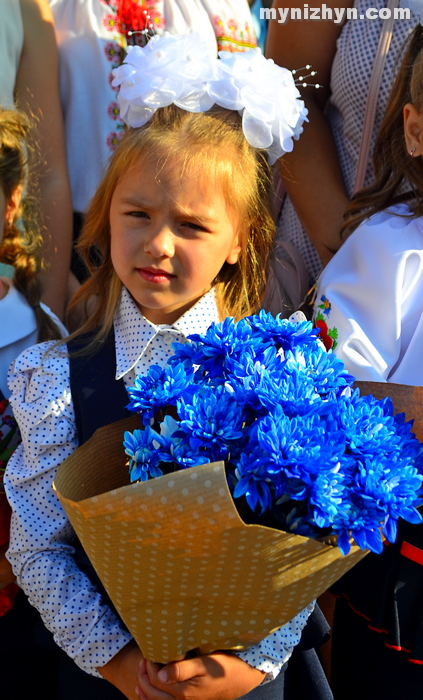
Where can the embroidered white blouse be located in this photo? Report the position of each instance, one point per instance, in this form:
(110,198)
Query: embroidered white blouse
(369,300)
(41,535)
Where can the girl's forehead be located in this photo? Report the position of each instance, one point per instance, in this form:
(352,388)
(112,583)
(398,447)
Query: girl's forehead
(173,173)
(190,163)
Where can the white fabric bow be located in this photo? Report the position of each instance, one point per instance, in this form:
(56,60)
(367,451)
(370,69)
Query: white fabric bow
(181,70)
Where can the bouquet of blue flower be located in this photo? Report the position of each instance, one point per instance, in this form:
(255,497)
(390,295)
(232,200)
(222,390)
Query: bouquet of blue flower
(277,436)
(304,451)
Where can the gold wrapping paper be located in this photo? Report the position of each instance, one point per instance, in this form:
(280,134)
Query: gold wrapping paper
(181,567)
(406,399)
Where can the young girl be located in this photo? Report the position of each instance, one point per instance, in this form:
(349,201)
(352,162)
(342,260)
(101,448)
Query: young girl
(182,226)
(23,321)
(369,307)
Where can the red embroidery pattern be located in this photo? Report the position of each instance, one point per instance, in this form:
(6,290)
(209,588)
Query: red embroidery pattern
(329,336)
(110,22)
(113,140)
(113,52)
(113,110)
(133,15)
(125,16)
(232,37)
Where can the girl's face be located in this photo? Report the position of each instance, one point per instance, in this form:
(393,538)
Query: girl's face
(170,237)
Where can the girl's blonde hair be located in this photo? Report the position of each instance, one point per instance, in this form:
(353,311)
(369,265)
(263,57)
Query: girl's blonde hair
(21,245)
(214,143)
(398,177)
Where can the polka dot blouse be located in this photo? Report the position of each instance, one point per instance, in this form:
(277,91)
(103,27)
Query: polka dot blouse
(41,535)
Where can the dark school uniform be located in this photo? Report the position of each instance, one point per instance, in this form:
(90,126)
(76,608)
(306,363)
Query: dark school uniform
(377,641)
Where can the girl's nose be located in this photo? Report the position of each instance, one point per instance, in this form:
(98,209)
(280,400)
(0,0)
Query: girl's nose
(160,243)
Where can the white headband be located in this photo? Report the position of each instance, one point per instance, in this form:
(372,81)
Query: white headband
(181,70)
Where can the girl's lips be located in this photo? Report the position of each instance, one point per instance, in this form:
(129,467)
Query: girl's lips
(150,274)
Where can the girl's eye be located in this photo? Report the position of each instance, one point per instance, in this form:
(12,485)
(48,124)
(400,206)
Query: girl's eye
(194,226)
(137,214)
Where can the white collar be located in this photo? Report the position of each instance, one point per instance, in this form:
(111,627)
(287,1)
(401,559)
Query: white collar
(17,319)
(133,332)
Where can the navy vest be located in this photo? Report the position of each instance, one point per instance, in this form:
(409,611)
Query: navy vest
(98,398)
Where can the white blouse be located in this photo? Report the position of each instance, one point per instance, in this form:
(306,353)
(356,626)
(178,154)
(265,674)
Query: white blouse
(18,329)
(369,300)
(40,544)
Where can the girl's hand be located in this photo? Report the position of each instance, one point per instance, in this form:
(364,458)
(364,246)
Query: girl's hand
(217,676)
(122,670)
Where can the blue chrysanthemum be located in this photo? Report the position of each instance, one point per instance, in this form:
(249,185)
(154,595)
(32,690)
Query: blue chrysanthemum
(158,389)
(299,443)
(252,482)
(326,372)
(222,340)
(285,334)
(143,449)
(211,421)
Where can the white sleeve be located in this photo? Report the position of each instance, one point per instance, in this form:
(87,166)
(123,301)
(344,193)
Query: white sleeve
(59,324)
(274,651)
(40,549)
(369,297)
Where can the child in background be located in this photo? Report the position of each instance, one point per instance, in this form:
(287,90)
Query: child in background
(183,226)
(23,321)
(369,307)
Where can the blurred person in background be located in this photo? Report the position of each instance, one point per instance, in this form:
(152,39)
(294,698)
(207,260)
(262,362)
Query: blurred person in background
(30,81)
(319,175)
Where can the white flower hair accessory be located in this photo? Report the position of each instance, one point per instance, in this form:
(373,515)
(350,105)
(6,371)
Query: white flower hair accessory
(180,70)
(170,69)
(265,94)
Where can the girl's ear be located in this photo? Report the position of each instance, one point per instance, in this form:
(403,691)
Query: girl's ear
(12,205)
(234,253)
(413,130)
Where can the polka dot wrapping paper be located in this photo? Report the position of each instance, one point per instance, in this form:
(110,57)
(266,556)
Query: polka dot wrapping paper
(406,399)
(180,566)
